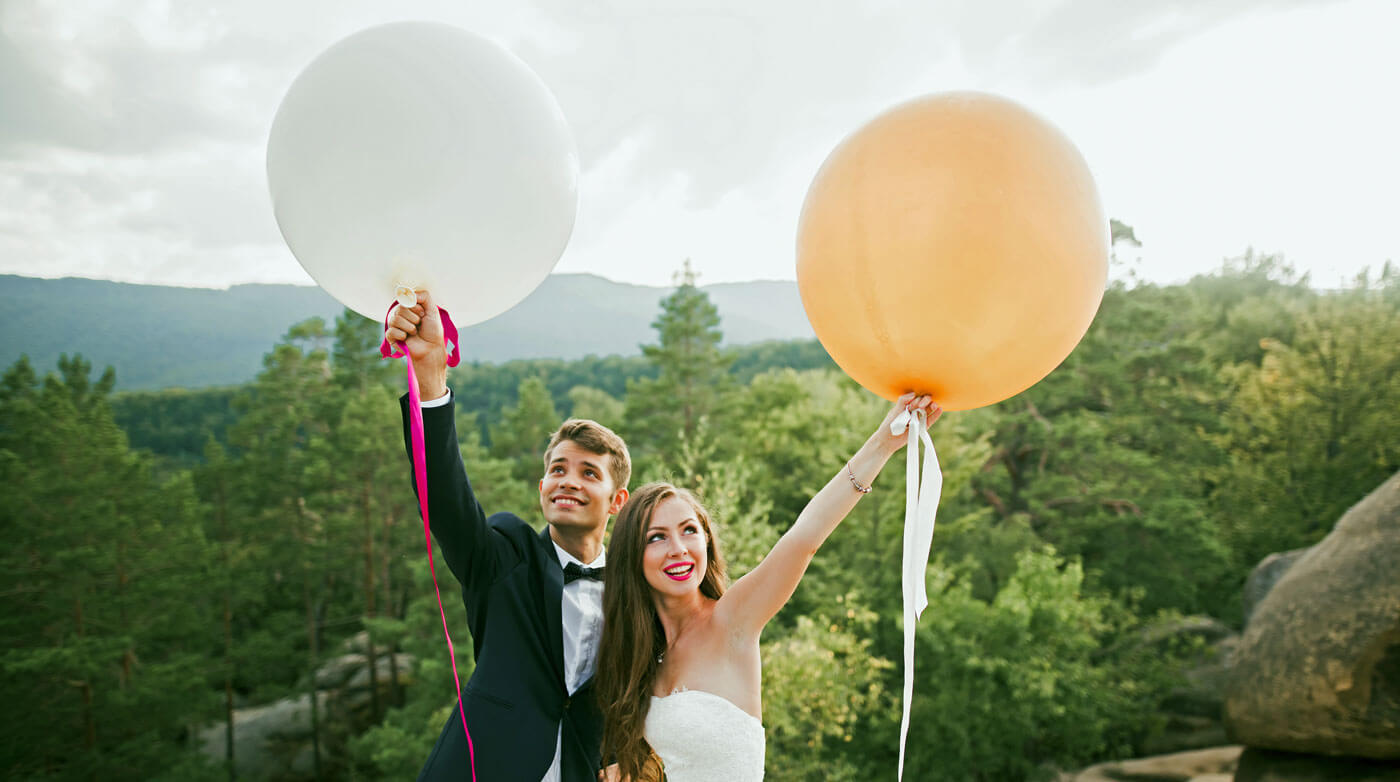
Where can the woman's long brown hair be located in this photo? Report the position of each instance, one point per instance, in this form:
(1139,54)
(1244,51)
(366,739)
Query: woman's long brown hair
(632,635)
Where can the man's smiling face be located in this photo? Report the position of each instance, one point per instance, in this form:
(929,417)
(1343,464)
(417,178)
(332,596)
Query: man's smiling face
(577,489)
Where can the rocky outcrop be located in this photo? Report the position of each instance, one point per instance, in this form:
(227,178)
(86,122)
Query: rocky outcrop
(1204,765)
(273,741)
(1317,670)
(1313,683)
(1263,578)
(1238,764)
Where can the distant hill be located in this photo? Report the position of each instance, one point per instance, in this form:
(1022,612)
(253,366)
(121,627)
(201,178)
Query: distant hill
(161,337)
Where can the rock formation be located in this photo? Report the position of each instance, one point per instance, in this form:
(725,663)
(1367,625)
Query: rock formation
(1203,765)
(273,741)
(1318,666)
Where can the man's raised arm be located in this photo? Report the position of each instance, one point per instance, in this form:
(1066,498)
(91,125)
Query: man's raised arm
(456,518)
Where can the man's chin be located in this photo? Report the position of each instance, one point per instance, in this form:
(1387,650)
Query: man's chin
(573,521)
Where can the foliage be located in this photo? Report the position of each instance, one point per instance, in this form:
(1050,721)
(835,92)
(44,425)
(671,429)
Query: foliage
(824,690)
(487,389)
(692,383)
(597,405)
(1313,425)
(752,360)
(176,423)
(1011,688)
(230,548)
(395,748)
(521,436)
(104,601)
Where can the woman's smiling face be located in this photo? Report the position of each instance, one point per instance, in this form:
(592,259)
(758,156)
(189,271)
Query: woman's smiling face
(674,558)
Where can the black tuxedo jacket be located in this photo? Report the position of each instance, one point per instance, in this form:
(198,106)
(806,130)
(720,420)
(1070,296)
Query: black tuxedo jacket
(511,586)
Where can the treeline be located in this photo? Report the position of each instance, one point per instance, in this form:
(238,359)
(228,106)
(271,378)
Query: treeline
(175,424)
(223,547)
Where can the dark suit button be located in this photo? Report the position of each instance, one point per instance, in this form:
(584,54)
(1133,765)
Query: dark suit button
(567,703)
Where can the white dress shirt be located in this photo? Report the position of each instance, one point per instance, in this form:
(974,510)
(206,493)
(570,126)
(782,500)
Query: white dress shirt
(582,616)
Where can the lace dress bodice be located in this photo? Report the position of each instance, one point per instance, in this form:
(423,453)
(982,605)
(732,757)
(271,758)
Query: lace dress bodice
(702,737)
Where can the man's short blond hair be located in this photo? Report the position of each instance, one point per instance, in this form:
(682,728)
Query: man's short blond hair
(595,438)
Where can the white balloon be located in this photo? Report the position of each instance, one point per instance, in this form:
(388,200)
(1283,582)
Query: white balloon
(418,154)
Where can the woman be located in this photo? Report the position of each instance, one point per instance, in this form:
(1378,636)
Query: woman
(679,679)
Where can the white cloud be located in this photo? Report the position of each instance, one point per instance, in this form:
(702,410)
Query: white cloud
(132,134)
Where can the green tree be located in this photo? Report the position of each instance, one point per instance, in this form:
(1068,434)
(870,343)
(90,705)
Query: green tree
(396,748)
(355,474)
(597,405)
(692,383)
(524,430)
(231,579)
(1108,457)
(285,410)
(1251,299)
(355,356)
(104,589)
(1015,687)
(174,423)
(1122,232)
(1314,427)
(825,696)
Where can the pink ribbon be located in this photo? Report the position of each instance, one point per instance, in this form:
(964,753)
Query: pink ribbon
(389,349)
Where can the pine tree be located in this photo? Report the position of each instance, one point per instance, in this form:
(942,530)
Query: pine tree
(693,381)
(358,486)
(287,409)
(524,430)
(104,590)
(213,480)
(355,355)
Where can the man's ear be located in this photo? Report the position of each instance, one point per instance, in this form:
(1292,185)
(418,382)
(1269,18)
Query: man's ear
(619,500)
(542,486)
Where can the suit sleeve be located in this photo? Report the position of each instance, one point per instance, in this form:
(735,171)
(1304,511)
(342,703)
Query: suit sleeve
(474,551)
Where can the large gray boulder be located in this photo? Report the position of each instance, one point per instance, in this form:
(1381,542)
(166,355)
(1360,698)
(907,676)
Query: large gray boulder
(1317,669)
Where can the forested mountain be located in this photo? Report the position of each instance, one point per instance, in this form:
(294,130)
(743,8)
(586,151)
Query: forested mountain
(160,598)
(164,337)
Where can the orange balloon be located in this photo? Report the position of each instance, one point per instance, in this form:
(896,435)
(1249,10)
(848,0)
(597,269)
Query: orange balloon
(954,246)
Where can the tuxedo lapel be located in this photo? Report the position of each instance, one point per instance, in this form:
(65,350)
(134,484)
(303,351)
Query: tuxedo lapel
(553,602)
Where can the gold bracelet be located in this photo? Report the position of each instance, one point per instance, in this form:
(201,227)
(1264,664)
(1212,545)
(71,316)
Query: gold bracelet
(854,482)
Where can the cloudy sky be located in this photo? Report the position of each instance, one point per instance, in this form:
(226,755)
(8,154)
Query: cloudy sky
(133,134)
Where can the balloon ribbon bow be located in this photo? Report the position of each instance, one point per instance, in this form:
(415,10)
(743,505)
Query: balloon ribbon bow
(389,349)
(920,507)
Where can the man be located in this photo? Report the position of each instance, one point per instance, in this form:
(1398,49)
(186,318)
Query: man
(533,604)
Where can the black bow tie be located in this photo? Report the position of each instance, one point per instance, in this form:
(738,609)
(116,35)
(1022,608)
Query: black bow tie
(574,571)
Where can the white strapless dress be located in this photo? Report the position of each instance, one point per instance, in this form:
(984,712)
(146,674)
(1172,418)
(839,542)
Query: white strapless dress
(702,737)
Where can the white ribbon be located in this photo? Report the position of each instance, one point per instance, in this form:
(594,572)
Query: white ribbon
(920,507)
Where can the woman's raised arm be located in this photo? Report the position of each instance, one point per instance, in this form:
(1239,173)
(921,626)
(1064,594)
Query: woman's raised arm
(757,597)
